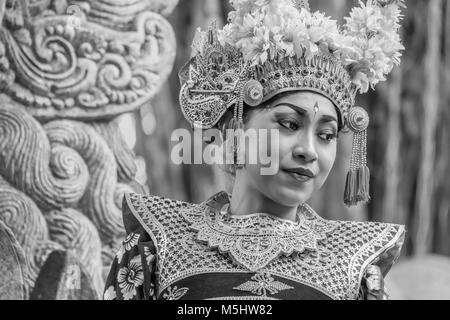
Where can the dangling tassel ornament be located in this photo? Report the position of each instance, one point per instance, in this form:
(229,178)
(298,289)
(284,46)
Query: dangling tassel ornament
(252,94)
(237,131)
(357,185)
(237,127)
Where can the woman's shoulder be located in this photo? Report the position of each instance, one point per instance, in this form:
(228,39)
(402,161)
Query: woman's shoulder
(373,232)
(156,215)
(372,243)
(366,230)
(140,208)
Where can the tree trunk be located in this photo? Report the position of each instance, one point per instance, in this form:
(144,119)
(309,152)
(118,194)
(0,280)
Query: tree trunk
(391,210)
(424,208)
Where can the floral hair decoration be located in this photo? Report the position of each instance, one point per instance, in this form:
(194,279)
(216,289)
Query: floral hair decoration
(274,46)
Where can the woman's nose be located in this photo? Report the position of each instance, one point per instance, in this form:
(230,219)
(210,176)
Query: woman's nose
(305,148)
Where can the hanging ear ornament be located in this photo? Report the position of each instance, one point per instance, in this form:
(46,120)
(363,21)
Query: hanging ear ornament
(357,186)
(251,93)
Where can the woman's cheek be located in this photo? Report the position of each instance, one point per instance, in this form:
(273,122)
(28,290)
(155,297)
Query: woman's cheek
(327,157)
(270,150)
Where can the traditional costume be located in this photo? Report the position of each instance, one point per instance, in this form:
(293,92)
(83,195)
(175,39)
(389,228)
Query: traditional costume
(178,250)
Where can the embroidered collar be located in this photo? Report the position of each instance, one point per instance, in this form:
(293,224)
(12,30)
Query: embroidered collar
(256,240)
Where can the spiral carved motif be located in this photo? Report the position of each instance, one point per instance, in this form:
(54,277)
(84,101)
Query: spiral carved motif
(98,199)
(22,216)
(123,10)
(27,223)
(43,157)
(75,232)
(29,165)
(89,60)
(61,63)
(13,266)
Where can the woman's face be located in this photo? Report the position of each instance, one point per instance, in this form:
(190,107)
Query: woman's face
(308,130)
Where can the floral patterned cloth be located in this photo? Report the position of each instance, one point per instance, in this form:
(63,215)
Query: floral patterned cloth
(132,274)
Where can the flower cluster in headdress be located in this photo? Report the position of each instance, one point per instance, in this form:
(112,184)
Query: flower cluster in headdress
(368,44)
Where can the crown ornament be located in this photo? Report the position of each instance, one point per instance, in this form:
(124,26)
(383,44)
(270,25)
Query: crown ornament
(273,46)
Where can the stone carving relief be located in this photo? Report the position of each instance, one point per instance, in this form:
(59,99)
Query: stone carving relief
(67,70)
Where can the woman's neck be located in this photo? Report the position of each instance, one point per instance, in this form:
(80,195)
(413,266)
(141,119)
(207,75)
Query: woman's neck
(247,200)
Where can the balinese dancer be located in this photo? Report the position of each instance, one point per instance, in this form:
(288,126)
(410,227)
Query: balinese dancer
(275,66)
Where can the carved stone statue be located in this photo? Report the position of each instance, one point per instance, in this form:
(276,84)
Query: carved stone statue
(67,70)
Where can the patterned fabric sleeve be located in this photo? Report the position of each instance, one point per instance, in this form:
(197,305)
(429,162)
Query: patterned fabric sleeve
(132,273)
(373,286)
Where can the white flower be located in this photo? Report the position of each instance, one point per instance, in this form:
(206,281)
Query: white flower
(256,49)
(263,29)
(361,81)
(131,241)
(110,294)
(369,44)
(198,42)
(131,277)
(372,45)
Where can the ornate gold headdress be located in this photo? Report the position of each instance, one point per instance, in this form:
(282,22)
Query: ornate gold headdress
(273,46)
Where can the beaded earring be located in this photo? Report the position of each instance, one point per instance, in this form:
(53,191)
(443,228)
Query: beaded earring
(357,186)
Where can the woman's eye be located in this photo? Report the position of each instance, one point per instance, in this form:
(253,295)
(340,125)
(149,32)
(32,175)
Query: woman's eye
(328,137)
(290,124)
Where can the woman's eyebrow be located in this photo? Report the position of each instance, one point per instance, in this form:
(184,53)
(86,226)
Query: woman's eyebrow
(297,109)
(303,112)
(327,118)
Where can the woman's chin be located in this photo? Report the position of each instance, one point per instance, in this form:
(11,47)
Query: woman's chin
(290,197)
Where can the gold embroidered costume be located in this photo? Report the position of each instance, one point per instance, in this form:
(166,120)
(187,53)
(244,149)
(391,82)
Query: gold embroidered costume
(178,250)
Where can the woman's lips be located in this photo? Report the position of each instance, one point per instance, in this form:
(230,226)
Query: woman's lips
(300,174)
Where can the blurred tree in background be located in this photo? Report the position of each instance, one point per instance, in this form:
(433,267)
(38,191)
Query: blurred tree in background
(409,136)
